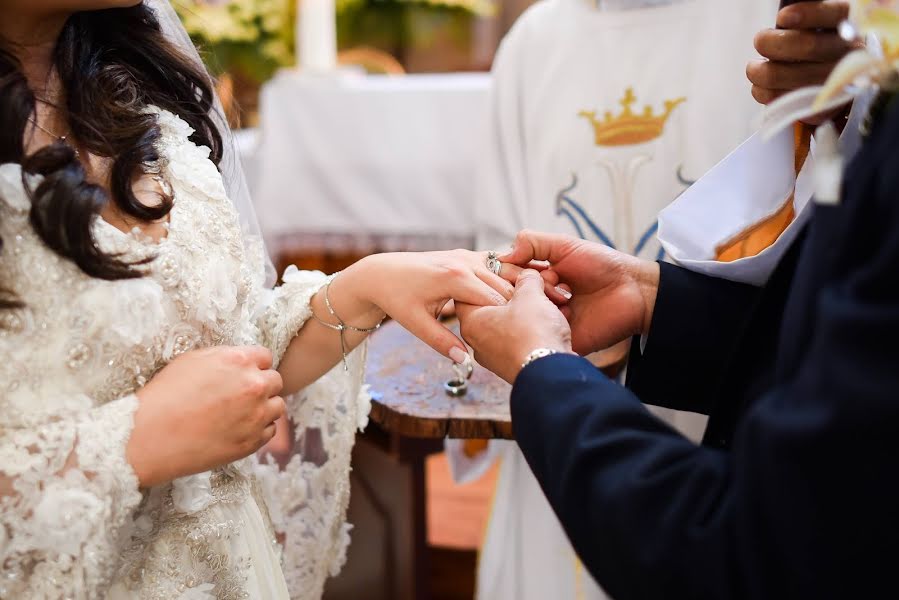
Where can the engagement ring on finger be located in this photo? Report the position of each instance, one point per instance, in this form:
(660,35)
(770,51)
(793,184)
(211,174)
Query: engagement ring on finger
(493,263)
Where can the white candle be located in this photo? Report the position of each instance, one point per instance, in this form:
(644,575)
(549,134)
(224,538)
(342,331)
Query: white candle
(317,35)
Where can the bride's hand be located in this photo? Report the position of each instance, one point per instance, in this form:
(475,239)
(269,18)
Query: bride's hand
(207,408)
(412,288)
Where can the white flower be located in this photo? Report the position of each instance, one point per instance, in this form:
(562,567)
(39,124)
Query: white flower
(171,124)
(192,493)
(65,518)
(134,310)
(139,311)
(217,294)
(143,525)
(293,275)
(190,166)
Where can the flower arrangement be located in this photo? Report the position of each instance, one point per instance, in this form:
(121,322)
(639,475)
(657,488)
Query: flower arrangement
(252,38)
(482,8)
(426,35)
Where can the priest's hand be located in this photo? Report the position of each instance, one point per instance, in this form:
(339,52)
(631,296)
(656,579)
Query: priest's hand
(503,336)
(612,293)
(801,52)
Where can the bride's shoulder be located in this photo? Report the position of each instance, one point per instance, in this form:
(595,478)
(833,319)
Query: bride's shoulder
(186,163)
(173,128)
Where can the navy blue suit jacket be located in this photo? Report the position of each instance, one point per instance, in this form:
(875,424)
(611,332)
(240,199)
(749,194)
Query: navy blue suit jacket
(795,492)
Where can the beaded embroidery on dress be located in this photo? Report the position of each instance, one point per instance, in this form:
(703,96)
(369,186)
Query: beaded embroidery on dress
(73,523)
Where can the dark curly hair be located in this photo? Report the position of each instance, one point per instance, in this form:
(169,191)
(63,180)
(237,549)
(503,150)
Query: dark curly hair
(112,63)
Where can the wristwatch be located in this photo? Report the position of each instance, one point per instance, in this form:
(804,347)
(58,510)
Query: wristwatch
(538,353)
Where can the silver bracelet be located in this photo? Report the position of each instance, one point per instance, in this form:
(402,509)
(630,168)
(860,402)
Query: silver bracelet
(341,327)
(537,354)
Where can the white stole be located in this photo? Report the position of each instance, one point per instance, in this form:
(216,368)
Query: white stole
(744,188)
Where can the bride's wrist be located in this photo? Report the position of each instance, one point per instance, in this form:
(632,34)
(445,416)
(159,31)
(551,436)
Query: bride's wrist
(351,296)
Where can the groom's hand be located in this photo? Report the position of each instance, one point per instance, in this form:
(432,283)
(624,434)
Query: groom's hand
(613,294)
(503,336)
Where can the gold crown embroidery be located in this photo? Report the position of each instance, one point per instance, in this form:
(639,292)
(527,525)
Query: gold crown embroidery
(629,128)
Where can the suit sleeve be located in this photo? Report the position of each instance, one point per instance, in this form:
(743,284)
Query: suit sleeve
(804,505)
(696,322)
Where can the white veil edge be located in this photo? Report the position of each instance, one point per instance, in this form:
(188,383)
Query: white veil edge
(231,168)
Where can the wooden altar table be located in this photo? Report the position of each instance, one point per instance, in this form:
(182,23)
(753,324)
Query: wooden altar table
(406,379)
(410,417)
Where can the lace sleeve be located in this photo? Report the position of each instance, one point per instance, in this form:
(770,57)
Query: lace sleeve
(67,494)
(307,500)
(287,308)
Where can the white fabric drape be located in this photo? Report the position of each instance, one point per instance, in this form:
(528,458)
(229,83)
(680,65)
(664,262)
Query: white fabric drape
(370,157)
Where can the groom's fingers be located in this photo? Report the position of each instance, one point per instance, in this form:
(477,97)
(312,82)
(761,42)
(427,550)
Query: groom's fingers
(463,310)
(534,245)
(550,276)
(529,285)
(510,273)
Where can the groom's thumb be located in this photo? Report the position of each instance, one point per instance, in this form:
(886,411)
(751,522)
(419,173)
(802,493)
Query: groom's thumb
(528,283)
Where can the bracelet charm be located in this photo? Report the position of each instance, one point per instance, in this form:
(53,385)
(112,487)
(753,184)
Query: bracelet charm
(341,327)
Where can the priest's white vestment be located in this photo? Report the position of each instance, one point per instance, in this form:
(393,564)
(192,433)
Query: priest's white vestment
(601,114)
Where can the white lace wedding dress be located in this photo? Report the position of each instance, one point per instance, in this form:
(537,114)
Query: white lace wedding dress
(73,523)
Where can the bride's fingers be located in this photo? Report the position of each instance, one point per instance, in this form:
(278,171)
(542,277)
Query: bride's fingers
(470,289)
(429,330)
(496,282)
(510,272)
(550,277)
